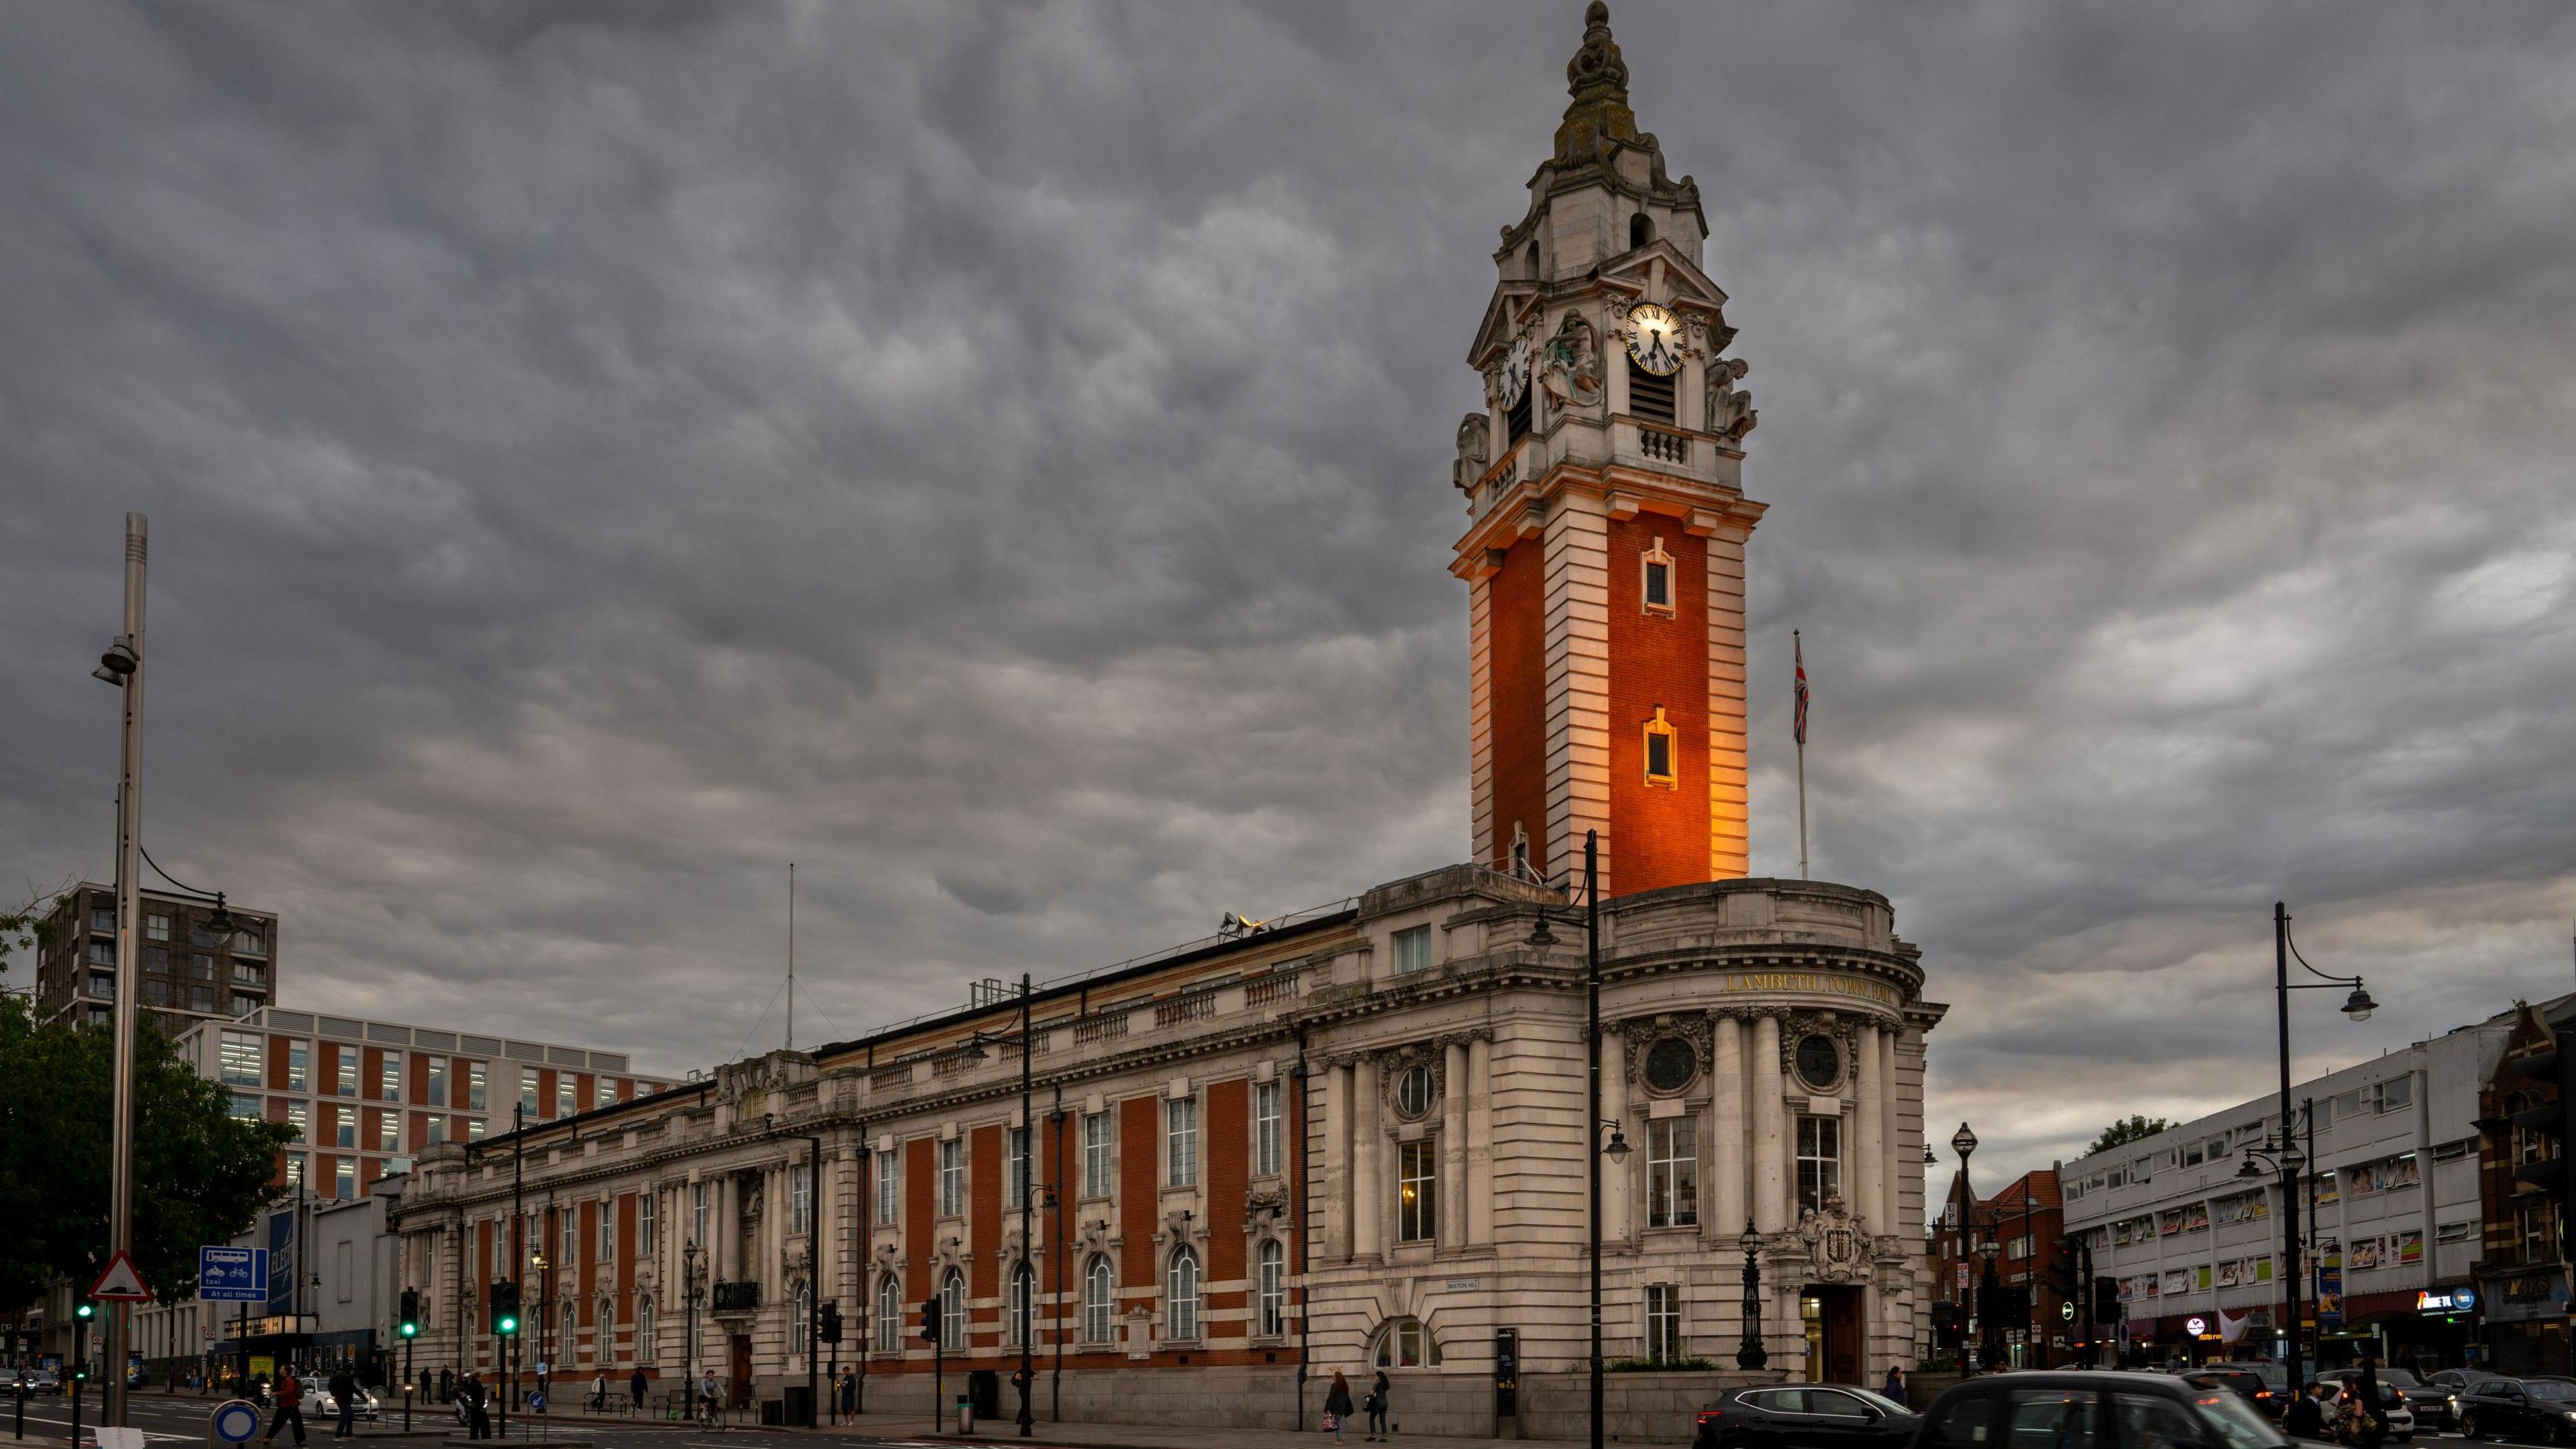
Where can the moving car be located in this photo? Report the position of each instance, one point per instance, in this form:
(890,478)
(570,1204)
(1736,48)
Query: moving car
(2262,1392)
(328,1404)
(2050,1410)
(2538,1410)
(2398,1392)
(1804,1414)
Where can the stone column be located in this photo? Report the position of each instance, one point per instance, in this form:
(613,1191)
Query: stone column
(1453,1147)
(1891,1128)
(1617,1216)
(1770,1130)
(1368,1214)
(1726,1135)
(1868,1155)
(727,1246)
(1335,1169)
(1480,1142)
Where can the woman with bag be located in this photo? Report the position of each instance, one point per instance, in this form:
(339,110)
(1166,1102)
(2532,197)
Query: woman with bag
(1337,1405)
(1378,1408)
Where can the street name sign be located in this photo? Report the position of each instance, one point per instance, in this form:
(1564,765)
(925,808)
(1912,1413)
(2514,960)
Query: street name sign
(232,1275)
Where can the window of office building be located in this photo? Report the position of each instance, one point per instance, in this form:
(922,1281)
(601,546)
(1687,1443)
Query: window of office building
(566,1101)
(241,1059)
(1266,1129)
(344,1075)
(299,1062)
(1417,1191)
(1099,1300)
(889,1187)
(295,1169)
(344,1180)
(389,1080)
(1095,1155)
(1181,1304)
(474,1087)
(1412,950)
(1672,1173)
(1015,1180)
(1663,1322)
(389,1132)
(800,1198)
(246,1106)
(344,1130)
(1273,1279)
(1181,1132)
(295,1118)
(528,1102)
(952,1178)
(1820,1160)
(435,1086)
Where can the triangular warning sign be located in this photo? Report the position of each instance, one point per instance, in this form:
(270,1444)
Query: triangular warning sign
(121,1283)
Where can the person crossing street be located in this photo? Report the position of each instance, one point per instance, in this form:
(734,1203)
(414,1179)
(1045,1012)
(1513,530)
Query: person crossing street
(290,1406)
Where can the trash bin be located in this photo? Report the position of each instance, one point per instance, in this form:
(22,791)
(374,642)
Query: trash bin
(800,1406)
(985,1387)
(965,1413)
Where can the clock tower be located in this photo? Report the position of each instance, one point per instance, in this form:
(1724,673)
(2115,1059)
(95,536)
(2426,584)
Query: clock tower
(1604,556)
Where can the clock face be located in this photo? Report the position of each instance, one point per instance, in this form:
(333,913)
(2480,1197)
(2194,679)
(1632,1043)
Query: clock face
(1819,1062)
(1514,378)
(1655,339)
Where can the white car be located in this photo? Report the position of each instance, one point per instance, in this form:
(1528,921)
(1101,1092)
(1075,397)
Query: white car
(363,1406)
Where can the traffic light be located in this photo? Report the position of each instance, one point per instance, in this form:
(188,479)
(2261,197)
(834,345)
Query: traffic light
(930,1320)
(2552,1124)
(2106,1302)
(505,1308)
(827,1328)
(410,1325)
(2060,1276)
(85,1310)
(1945,1324)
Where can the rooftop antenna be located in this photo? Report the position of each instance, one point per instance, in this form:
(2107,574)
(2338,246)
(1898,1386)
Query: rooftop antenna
(791,955)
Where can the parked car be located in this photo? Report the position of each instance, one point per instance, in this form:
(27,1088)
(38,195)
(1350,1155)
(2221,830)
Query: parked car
(328,1404)
(2246,1379)
(2048,1409)
(2398,1397)
(2540,1410)
(1804,1414)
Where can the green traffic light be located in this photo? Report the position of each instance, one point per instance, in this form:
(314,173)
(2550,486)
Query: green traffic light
(411,1330)
(509,1324)
(86,1310)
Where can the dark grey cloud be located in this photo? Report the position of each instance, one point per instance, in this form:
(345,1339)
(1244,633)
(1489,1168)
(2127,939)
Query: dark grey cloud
(994,456)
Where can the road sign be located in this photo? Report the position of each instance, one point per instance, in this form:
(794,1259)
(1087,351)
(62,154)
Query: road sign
(2066,1311)
(235,1421)
(120,1283)
(232,1275)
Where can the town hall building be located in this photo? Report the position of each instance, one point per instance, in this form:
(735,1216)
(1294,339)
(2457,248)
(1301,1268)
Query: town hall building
(1199,1183)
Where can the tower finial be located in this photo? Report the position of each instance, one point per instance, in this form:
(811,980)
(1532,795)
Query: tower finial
(1597,78)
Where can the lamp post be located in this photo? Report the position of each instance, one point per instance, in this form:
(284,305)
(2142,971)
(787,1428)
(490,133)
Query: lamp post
(2284,1150)
(1991,1356)
(689,1293)
(2029,1285)
(1617,1149)
(1748,1350)
(1964,1142)
(122,666)
(1025,1298)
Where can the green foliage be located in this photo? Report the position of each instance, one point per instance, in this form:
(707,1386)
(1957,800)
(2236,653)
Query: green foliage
(1657,1365)
(200,1174)
(26,931)
(2129,1131)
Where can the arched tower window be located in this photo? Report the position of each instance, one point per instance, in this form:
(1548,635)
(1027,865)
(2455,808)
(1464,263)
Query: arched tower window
(1660,769)
(1641,230)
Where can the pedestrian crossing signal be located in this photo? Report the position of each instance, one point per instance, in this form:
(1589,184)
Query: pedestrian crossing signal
(410,1326)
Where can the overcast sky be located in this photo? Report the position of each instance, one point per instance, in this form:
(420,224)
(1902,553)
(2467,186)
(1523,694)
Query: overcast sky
(997,458)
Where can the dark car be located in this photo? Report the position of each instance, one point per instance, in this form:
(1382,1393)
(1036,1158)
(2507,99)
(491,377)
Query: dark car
(2258,1390)
(2541,1410)
(2091,1409)
(1819,1414)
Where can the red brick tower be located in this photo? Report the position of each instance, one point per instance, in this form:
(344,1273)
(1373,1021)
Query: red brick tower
(1605,557)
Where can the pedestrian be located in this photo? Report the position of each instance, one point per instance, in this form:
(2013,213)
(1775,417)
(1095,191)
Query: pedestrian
(478,1406)
(446,1385)
(849,1392)
(635,1387)
(1337,1405)
(344,1394)
(707,1395)
(599,1392)
(1377,1408)
(2305,1418)
(290,1406)
(2372,1426)
(1895,1386)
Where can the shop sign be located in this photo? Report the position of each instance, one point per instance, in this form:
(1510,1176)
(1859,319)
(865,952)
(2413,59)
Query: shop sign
(2446,1300)
(2195,1325)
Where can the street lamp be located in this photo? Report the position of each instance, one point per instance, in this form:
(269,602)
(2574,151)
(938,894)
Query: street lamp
(1617,1149)
(691,1280)
(1748,1350)
(122,666)
(1022,1289)
(1964,1142)
(2357,1006)
(1988,1290)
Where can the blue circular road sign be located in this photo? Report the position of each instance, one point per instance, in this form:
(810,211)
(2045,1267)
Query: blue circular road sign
(236,1420)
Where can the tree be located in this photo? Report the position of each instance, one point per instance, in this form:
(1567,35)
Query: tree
(2129,1131)
(201,1175)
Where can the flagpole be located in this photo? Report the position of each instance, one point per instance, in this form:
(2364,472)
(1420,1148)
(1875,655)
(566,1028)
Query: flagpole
(1798,651)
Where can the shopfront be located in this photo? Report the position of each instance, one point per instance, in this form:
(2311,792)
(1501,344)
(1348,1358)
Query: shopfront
(2441,1332)
(2525,1321)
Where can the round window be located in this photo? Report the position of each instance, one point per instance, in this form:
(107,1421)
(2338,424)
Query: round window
(1820,1062)
(1413,1091)
(1670,1064)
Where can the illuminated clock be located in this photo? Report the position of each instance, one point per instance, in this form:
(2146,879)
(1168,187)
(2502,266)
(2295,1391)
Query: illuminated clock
(1655,339)
(1513,380)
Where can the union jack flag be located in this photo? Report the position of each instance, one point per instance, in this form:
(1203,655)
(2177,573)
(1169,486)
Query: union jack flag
(1799,650)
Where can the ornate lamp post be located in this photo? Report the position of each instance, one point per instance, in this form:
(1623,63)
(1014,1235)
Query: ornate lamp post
(1748,1351)
(1617,1149)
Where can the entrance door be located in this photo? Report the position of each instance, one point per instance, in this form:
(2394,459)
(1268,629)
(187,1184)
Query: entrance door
(741,1370)
(1832,1319)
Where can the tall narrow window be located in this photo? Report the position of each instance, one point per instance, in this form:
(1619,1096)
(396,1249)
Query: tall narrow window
(570,1227)
(889,1187)
(295,1169)
(344,1127)
(389,1132)
(797,1344)
(1098,1300)
(1820,1160)
(1095,1155)
(698,1215)
(1181,1117)
(476,1097)
(1417,1192)
(437,1082)
(389,1080)
(528,1092)
(1266,1133)
(952,1177)
(567,1097)
(1663,1322)
(607,1230)
(1656,584)
(1015,1182)
(644,1330)
(1181,1304)
(952,1310)
(889,1313)
(1412,950)
(800,1199)
(344,1179)
(299,1057)
(1659,751)
(1672,1173)
(571,1331)
(1016,1319)
(606,1325)
(648,1222)
(1274,1289)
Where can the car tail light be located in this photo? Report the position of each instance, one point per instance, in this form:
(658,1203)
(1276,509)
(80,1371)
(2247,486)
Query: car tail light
(1709,1416)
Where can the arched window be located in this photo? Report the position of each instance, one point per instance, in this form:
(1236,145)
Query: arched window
(571,1339)
(1015,1320)
(1532,257)
(1274,1289)
(952,1310)
(1406,1343)
(1097,1300)
(607,1330)
(1641,230)
(797,1342)
(644,1330)
(889,1313)
(1181,1299)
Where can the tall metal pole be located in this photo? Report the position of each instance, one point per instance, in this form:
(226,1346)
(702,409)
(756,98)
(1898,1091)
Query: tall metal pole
(129,953)
(813,1286)
(867,1289)
(2289,1182)
(1056,1252)
(2308,1118)
(791,957)
(1592,1100)
(1967,1275)
(518,1257)
(1026,1301)
(2029,1284)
